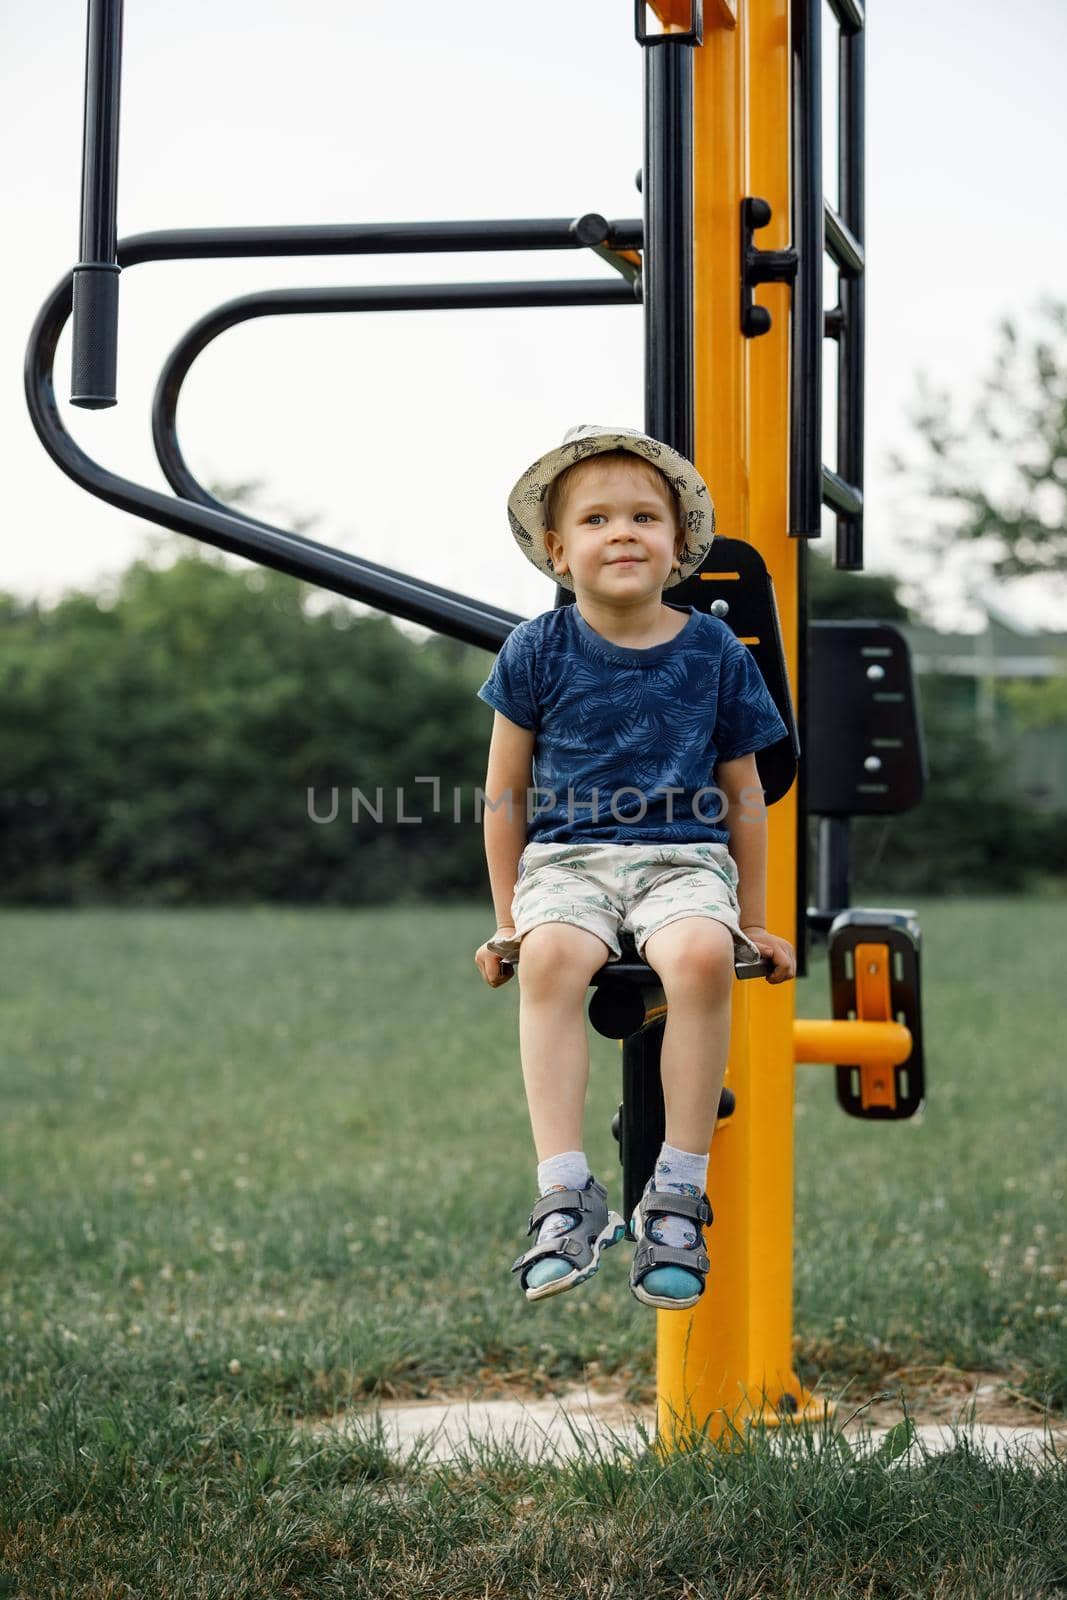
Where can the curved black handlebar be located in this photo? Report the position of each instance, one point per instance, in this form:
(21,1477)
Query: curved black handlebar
(373,297)
(442,610)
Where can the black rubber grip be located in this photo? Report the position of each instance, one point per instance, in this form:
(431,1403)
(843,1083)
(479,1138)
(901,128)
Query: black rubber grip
(96,336)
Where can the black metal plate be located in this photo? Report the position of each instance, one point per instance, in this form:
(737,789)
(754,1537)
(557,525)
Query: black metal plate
(862,709)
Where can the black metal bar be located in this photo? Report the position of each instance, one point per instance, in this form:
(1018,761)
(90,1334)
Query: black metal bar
(667,189)
(805,486)
(843,248)
(846,498)
(459,616)
(371,238)
(456,615)
(803,843)
(96,276)
(667,270)
(289,302)
(850,348)
(642,1120)
(833,875)
(849,13)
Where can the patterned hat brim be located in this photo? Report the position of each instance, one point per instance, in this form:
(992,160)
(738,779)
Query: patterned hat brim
(526,502)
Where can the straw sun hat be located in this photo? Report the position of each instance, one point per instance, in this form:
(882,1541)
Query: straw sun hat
(526,503)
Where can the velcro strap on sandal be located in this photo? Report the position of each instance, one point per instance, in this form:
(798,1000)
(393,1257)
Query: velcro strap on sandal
(665,1203)
(579,1200)
(562,1245)
(649,1254)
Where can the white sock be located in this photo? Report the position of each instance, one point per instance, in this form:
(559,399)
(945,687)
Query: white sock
(678,1172)
(567,1171)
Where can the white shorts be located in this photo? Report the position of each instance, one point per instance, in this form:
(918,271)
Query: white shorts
(612,888)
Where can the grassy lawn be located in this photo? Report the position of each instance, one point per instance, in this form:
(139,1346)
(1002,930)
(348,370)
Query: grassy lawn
(263,1164)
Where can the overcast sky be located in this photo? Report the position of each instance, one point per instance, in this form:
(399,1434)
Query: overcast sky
(404,433)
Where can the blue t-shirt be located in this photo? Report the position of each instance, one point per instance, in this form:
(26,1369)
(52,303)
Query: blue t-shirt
(617,728)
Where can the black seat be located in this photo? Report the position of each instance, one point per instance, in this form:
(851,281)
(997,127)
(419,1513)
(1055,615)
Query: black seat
(629,995)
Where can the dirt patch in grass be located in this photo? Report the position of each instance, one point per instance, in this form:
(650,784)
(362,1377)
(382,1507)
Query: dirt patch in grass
(945,1394)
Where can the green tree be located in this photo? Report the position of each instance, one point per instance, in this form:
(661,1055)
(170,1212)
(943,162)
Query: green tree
(841,596)
(160,744)
(989,486)
(1038,703)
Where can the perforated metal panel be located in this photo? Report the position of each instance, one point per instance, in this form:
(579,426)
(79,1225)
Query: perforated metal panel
(865,753)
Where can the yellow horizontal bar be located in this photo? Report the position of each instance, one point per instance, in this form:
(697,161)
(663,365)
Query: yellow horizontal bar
(850,1044)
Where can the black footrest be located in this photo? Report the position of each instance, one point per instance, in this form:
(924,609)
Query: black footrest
(874,977)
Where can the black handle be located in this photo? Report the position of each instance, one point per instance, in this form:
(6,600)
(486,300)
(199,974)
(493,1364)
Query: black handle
(96,277)
(96,335)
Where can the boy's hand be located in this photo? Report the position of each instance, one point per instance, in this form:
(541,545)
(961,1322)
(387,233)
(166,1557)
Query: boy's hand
(770,944)
(490,963)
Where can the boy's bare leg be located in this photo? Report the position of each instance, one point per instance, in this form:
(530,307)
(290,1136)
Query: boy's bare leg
(556,962)
(694,958)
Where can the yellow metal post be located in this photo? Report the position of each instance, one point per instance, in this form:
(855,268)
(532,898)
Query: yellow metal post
(730,1359)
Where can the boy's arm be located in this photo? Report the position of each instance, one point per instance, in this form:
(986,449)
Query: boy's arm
(746,822)
(510,769)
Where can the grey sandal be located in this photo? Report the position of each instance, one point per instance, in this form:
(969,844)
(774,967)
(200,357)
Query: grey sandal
(596,1228)
(649,1254)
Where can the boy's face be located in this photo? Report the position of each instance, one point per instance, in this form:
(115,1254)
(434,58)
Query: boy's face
(617,534)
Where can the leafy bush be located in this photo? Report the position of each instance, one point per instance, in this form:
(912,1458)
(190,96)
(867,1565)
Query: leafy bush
(160,746)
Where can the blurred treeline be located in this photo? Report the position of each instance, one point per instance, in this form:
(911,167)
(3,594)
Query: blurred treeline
(159,743)
(158,746)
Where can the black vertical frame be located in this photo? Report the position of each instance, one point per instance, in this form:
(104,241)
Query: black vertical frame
(667,190)
(805,456)
(802,842)
(850,346)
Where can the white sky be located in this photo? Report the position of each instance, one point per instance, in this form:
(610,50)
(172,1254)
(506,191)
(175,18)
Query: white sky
(404,433)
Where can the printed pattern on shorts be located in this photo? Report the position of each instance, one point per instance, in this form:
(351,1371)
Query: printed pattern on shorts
(611,888)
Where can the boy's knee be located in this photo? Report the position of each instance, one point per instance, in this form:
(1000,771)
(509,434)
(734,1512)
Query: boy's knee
(560,955)
(697,951)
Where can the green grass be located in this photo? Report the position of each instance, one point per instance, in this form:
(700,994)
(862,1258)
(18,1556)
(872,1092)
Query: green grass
(262,1164)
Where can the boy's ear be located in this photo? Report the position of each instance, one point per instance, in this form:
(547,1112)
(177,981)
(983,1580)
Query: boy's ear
(554,546)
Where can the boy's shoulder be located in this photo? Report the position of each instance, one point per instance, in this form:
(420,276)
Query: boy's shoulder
(553,629)
(547,627)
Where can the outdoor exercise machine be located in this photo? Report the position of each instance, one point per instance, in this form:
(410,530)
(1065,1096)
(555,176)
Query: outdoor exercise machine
(733,149)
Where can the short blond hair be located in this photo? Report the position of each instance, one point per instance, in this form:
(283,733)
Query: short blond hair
(558,489)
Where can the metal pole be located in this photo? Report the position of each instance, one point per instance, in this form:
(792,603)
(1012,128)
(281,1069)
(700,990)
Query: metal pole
(96,276)
(805,466)
(667,272)
(667,187)
(850,350)
(833,868)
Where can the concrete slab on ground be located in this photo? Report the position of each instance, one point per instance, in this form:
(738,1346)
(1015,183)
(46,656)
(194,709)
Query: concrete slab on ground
(581,1421)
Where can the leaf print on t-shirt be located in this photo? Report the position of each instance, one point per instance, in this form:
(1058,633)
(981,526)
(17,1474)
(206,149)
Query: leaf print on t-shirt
(608,720)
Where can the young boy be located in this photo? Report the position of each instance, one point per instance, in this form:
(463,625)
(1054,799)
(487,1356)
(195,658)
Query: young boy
(621,775)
